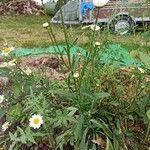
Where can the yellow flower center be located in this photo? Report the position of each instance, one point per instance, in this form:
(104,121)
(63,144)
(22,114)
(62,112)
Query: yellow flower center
(6,50)
(36,121)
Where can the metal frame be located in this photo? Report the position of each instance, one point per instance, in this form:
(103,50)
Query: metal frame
(119,6)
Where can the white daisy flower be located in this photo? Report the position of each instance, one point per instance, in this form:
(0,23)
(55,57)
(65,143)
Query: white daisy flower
(45,25)
(141,70)
(76,75)
(5,126)
(95,27)
(7,50)
(97,43)
(1,98)
(36,121)
(84,27)
(12,48)
(78,54)
(12,62)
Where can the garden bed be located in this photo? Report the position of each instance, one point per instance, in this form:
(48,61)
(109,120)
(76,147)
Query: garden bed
(94,99)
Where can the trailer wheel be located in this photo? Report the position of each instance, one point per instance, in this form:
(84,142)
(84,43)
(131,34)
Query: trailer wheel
(122,25)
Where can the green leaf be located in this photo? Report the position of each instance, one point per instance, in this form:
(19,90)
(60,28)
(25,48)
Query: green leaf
(109,145)
(72,111)
(115,143)
(63,93)
(102,125)
(101,95)
(17,89)
(83,145)
(15,111)
(2,112)
(12,136)
(145,59)
(12,146)
(78,129)
(5,72)
(23,136)
(29,135)
(148,114)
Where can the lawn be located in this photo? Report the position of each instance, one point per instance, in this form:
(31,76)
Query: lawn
(27,31)
(97,98)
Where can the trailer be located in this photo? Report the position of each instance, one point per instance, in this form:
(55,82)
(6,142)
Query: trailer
(121,16)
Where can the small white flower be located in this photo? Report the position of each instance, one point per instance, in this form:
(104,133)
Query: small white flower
(36,121)
(97,43)
(141,70)
(45,25)
(79,54)
(84,27)
(3,65)
(12,48)
(1,98)
(7,50)
(100,3)
(76,75)
(5,126)
(28,71)
(12,63)
(95,27)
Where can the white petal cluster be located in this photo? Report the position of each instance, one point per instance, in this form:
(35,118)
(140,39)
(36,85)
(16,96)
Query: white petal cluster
(1,98)
(97,43)
(95,27)
(36,121)
(5,126)
(76,75)
(45,25)
(7,50)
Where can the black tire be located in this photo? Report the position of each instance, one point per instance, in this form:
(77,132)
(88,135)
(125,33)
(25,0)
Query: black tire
(122,25)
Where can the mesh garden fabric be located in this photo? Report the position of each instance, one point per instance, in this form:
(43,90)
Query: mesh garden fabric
(112,54)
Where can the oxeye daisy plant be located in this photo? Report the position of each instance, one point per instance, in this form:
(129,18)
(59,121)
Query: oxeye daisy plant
(88,105)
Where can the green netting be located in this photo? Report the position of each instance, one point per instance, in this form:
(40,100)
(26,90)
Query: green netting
(116,55)
(113,54)
(20,52)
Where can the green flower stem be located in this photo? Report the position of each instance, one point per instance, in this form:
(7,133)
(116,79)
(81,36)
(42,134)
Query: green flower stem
(54,41)
(66,39)
(53,38)
(92,49)
(147,133)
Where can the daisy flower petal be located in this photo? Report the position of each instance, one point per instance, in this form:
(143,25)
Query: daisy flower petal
(5,126)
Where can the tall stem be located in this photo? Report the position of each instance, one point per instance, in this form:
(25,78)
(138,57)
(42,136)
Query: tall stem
(92,49)
(147,133)
(66,39)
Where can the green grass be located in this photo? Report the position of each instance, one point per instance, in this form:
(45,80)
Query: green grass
(27,31)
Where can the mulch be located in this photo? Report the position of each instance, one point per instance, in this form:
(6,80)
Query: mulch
(26,7)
